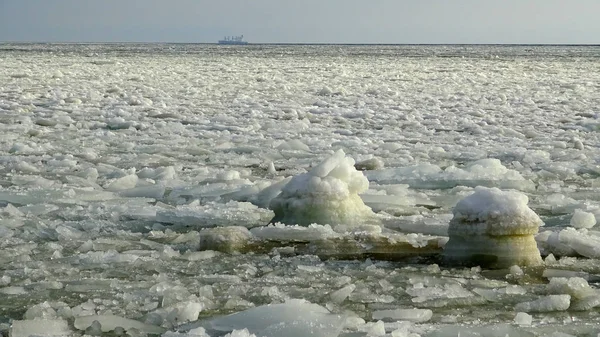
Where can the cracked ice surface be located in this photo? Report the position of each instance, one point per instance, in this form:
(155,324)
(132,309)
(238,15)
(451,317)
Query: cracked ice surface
(121,164)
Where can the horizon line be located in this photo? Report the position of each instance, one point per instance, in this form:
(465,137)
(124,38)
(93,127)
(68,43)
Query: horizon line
(306,43)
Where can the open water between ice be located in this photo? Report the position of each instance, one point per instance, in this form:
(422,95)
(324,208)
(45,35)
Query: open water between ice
(137,185)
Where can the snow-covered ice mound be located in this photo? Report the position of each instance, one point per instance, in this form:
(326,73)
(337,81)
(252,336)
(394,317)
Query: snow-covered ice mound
(294,318)
(493,228)
(483,172)
(327,194)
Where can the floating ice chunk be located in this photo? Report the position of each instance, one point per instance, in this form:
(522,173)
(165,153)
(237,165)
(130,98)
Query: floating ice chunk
(422,293)
(374,329)
(558,203)
(198,332)
(499,294)
(328,194)
(110,322)
(48,310)
(583,297)
(119,123)
(11,211)
(551,273)
(95,329)
(224,279)
(523,319)
(13,290)
(21,148)
(582,219)
(199,256)
(549,259)
(359,244)
(493,228)
(152,191)
(294,144)
(419,224)
(500,330)
(532,157)
(570,241)
(485,172)
(31,181)
(325,326)
(225,239)
(185,311)
(325,91)
(23,166)
(213,214)
(325,167)
(60,161)
(585,303)
(6,232)
(110,256)
(81,182)
(577,287)
(240,333)
(546,304)
(45,122)
(369,164)
(294,318)
(554,243)
(160,173)
(340,295)
(228,175)
(516,271)
(38,209)
(90,174)
(413,315)
(280,232)
(395,204)
(40,327)
(123,183)
(211,189)
(271,169)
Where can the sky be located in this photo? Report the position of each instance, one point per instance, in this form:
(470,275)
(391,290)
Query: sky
(302,21)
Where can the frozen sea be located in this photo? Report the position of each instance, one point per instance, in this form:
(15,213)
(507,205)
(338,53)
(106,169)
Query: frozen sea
(135,181)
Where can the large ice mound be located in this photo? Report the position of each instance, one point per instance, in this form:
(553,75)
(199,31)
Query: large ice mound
(493,228)
(294,318)
(327,194)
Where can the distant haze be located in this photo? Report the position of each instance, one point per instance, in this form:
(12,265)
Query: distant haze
(302,21)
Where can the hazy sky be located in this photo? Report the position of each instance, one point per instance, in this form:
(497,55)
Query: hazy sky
(303,21)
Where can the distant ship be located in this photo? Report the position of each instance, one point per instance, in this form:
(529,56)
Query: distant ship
(233,40)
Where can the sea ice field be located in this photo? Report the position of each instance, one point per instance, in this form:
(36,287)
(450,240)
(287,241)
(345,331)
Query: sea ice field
(188,190)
